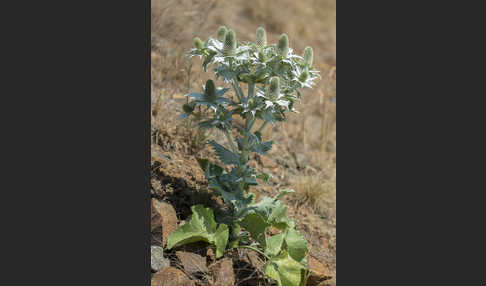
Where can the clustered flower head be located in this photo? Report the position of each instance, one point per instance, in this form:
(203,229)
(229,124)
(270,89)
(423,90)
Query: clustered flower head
(229,48)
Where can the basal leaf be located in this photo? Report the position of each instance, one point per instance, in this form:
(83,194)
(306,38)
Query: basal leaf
(274,244)
(256,225)
(285,270)
(296,244)
(201,227)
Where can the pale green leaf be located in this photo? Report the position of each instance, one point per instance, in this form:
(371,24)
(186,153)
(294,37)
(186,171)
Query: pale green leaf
(285,270)
(201,227)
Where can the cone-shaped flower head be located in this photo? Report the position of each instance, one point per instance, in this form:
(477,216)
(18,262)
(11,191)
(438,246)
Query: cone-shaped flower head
(304,76)
(261,37)
(283,45)
(221,33)
(308,56)
(229,48)
(274,88)
(210,91)
(198,43)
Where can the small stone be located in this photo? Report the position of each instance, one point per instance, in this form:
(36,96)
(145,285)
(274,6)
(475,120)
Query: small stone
(192,262)
(157,260)
(168,218)
(171,276)
(318,272)
(223,273)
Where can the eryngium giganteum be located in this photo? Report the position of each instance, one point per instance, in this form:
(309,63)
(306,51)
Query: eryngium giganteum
(304,76)
(308,56)
(221,33)
(261,37)
(274,87)
(198,43)
(283,45)
(210,91)
(229,48)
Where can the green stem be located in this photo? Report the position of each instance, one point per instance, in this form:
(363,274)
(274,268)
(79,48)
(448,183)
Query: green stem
(263,126)
(228,136)
(251,89)
(254,249)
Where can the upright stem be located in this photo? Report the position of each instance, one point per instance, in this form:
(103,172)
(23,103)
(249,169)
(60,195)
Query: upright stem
(263,126)
(228,136)
(251,89)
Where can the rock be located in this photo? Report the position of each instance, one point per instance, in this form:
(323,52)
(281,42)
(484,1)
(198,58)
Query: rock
(192,262)
(318,272)
(171,276)
(331,282)
(252,258)
(155,219)
(210,254)
(157,259)
(168,218)
(223,273)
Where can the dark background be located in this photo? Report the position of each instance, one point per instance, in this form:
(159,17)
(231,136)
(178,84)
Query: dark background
(75,143)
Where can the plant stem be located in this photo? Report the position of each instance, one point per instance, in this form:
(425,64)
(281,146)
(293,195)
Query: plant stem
(251,89)
(263,126)
(236,86)
(254,249)
(228,136)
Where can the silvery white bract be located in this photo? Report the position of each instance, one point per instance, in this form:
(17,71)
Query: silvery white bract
(273,75)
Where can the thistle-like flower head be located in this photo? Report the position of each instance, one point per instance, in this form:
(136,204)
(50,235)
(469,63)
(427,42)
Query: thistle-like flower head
(210,91)
(198,43)
(308,56)
(222,33)
(229,48)
(274,87)
(283,45)
(304,76)
(261,37)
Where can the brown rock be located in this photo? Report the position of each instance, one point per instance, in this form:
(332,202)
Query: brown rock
(210,254)
(168,218)
(318,272)
(223,273)
(171,277)
(192,262)
(331,282)
(155,218)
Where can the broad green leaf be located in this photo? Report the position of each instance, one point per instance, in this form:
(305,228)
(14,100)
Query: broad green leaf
(274,244)
(225,155)
(285,270)
(296,244)
(201,227)
(256,225)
